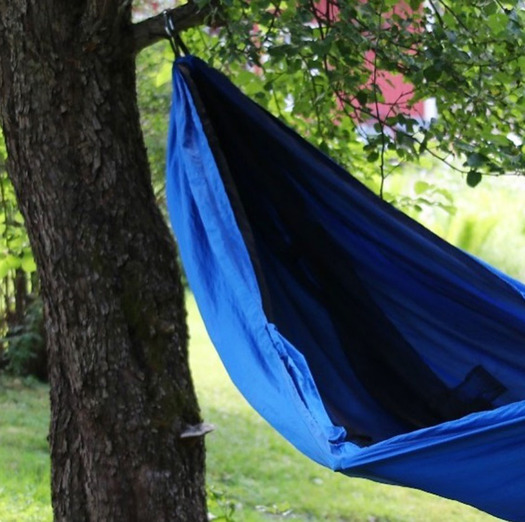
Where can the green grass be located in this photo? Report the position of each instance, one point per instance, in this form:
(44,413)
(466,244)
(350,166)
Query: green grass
(24,457)
(252,470)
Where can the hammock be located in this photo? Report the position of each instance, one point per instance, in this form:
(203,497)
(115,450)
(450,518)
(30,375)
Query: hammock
(372,345)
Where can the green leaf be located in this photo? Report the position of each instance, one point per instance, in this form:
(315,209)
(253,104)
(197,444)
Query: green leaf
(476,159)
(362,97)
(473,178)
(9,262)
(373,156)
(497,22)
(432,73)
(4,269)
(28,264)
(164,74)
(421,186)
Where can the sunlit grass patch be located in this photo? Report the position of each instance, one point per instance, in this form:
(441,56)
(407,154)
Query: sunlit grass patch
(24,455)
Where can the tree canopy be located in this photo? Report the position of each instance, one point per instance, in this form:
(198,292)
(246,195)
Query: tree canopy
(323,67)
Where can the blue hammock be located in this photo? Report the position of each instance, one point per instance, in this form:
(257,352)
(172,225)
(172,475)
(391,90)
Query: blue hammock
(373,346)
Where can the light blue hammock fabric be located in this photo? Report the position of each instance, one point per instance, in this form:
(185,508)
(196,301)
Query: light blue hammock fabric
(373,346)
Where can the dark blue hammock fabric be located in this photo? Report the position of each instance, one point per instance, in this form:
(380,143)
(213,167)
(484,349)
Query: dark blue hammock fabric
(373,346)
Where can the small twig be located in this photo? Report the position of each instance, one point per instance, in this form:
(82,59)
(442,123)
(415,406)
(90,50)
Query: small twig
(437,13)
(456,16)
(276,12)
(376,103)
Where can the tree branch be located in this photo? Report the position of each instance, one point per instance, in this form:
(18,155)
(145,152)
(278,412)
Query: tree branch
(186,16)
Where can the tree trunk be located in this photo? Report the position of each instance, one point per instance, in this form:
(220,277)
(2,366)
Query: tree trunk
(21,295)
(121,391)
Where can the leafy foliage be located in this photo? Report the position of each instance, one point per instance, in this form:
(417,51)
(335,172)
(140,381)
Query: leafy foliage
(17,279)
(219,506)
(323,67)
(154,95)
(15,251)
(26,353)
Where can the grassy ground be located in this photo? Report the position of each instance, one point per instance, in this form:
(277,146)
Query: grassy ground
(24,458)
(253,474)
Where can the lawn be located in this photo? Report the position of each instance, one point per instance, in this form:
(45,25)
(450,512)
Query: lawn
(253,473)
(24,456)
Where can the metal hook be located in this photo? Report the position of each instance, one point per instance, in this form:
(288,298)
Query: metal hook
(170,31)
(177,45)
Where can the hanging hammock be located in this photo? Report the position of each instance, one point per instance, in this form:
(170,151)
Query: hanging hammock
(372,345)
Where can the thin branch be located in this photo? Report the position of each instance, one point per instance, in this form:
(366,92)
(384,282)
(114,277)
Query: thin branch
(184,17)
(373,116)
(276,12)
(456,16)
(376,103)
(437,13)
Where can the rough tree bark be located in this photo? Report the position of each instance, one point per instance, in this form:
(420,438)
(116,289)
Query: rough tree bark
(121,391)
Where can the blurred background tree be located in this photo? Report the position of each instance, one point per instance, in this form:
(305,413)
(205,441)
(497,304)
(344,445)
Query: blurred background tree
(22,344)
